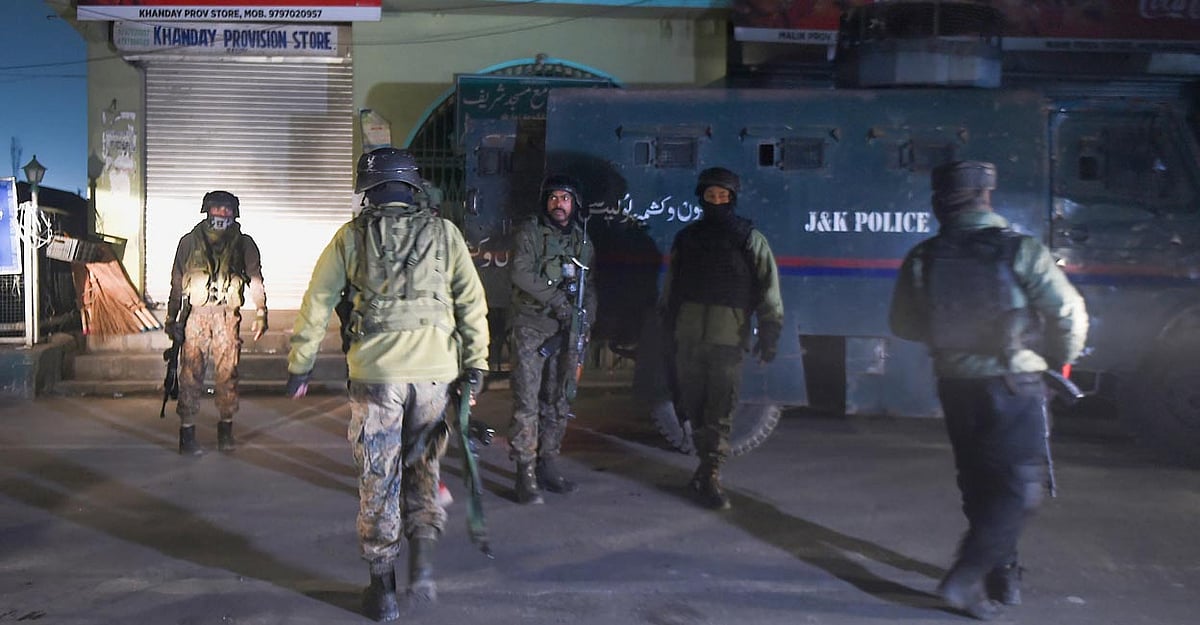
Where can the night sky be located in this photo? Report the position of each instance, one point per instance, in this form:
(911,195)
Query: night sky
(43,95)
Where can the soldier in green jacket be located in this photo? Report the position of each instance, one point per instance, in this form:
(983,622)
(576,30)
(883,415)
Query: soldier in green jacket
(996,312)
(418,323)
(548,251)
(722,274)
(214,264)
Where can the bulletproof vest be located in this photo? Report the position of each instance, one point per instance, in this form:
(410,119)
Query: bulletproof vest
(401,277)
(215,275)
(976,304)
(714,264)
(557,248)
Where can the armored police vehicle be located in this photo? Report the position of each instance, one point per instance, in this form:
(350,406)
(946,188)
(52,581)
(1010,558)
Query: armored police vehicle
(838,181)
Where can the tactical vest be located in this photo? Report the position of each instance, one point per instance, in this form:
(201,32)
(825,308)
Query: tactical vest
(976,304)
(556,249)
(714,265)
(401,277)
(215,277)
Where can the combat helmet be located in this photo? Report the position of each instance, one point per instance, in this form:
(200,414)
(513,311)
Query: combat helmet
(562,182)
(718,177)
(220,198)
(386,165)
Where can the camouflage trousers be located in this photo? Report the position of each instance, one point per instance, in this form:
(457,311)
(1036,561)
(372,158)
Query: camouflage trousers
(212,335)
(709,378)
(397,435)
(540,409)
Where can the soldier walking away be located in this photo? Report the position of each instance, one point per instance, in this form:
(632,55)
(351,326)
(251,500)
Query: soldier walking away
(550,249)
(417,323)
(214,263)
(996,312)
(722,273)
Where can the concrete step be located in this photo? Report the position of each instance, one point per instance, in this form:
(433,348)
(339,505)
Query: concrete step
(134,363)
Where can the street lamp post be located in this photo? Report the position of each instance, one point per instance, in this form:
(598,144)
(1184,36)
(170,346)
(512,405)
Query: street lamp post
(34,172)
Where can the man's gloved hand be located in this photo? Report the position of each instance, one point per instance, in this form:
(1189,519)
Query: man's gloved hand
(560,306)
(767,345)
(297,384)
(474,377)
(174,330)
(260,323)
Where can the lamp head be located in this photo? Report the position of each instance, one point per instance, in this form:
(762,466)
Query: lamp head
(34,171)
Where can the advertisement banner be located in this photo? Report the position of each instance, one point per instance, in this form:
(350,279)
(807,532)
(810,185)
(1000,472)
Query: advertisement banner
(1099,25)
(202,38)
(231,10)
(10,229)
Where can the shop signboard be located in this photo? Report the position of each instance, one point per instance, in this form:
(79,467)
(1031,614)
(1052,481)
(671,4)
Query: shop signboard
(163,11)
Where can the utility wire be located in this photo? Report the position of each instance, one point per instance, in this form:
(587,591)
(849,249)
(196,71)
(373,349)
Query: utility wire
(445,38)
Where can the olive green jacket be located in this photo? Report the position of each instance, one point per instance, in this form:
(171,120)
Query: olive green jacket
(427,354)
(539,250)
(1049,293)
(726,325)
(196,269)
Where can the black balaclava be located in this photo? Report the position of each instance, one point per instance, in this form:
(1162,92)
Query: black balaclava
(719,213)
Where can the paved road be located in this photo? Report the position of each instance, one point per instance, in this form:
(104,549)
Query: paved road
(835,521)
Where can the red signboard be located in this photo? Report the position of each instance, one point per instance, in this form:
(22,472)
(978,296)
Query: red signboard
(231,10)
(1029,23)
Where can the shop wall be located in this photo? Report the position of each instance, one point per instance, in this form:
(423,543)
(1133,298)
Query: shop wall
(404,64)
(116,157)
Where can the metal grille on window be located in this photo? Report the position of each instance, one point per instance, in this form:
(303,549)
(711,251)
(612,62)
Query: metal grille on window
(434,144)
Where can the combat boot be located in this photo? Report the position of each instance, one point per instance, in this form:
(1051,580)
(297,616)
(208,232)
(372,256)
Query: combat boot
(187,441)
(527,488)
(379,598)
(706,487)
(1003,584)
(964,592)
(421,587)
(550,478)
(225,440)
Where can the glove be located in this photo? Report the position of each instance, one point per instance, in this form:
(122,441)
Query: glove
(297,384)
(260,323)
(561,307)
(766,348)
(174,330)
(475,378)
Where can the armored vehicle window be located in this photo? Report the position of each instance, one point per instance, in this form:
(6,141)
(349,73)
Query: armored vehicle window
(793,153)
(666,153)
(1114,158)
(923,156)
(675,152)
(803,153)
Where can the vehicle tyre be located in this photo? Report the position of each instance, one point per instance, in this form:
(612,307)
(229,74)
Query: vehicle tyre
(1162,408)
(752,424)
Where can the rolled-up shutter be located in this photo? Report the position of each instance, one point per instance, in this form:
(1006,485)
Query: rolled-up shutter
(277,135)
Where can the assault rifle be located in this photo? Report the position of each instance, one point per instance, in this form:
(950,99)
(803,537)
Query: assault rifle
(171,357)
(575,335)
(1066,390)
(467,428)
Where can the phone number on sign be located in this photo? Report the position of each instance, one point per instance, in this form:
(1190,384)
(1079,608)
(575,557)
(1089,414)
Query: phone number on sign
(303,14)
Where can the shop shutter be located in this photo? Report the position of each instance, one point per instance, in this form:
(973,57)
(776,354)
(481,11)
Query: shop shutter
(277,135)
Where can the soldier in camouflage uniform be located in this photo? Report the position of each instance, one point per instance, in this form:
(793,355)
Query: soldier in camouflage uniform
(542,309)
(722,274)
(417,323)
(996,312)
(214,263)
